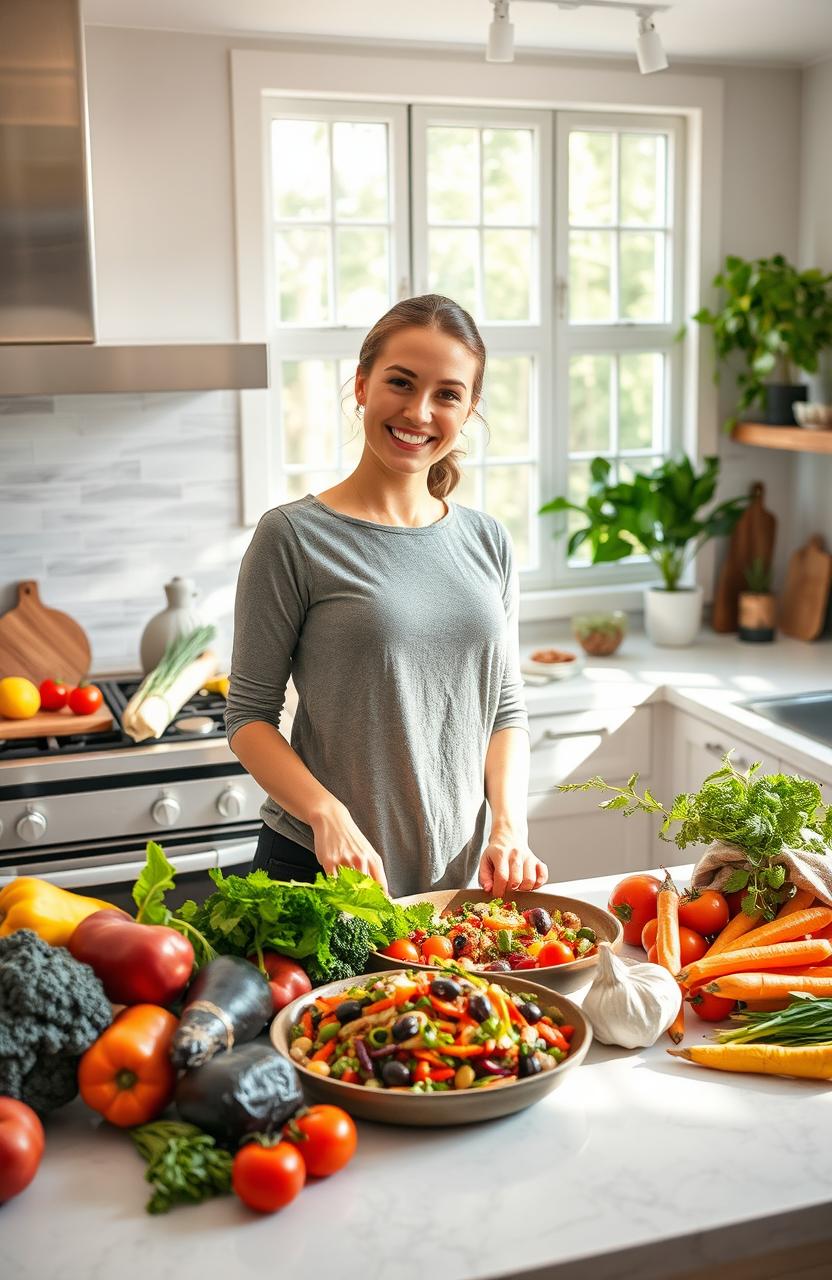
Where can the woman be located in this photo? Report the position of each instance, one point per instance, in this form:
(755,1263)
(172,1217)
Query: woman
(396,613)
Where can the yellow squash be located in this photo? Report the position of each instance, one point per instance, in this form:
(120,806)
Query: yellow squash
(53,913)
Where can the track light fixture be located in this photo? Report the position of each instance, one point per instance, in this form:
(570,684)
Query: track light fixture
(649,48)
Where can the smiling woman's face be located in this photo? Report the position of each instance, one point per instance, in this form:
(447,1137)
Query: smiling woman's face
(416,398)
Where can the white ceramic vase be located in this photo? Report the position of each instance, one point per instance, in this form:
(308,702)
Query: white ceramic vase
(180,618)
(673,618)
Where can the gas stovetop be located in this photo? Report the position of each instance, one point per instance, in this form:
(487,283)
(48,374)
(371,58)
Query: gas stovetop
(201,719)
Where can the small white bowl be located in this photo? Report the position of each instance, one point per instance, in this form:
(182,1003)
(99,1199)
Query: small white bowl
(553,670)
(814,417)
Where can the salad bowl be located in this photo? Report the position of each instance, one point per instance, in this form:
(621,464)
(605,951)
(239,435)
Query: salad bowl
(456,1106)
(446,901)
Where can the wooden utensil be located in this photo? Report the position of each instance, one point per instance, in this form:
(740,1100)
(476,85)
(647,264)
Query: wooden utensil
(752,539)
(806,591)
(41,643)
(56,724)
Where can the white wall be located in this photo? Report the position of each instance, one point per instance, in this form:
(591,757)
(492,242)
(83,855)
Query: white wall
(813,483)
(161,157)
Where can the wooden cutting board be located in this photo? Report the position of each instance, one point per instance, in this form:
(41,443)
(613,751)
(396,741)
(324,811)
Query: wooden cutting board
(41,643)
(56,724)
(806,592)
(753,538)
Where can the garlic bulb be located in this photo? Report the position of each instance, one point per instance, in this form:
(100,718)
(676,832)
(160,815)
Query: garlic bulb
(630,1004)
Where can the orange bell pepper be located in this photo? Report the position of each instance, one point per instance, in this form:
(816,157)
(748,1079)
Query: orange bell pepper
(127,1075)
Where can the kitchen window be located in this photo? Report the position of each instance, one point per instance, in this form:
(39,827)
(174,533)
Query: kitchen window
(560,233)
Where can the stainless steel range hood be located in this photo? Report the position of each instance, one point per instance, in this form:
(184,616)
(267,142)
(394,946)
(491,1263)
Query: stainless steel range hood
(47,278)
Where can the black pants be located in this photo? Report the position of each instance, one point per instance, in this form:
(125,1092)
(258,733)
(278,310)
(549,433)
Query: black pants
(283,858)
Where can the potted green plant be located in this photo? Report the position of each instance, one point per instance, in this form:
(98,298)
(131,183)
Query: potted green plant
(655,515)
(757,606)
(779,319)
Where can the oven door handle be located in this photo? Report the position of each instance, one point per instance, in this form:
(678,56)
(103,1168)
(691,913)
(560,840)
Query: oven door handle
(117,872)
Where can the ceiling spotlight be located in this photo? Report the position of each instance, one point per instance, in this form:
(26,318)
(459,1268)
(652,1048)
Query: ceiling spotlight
(500,35)
(649,48)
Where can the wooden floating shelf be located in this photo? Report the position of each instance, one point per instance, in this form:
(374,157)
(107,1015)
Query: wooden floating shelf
(798,439)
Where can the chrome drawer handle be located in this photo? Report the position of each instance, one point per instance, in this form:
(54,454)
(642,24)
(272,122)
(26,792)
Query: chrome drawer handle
(552,735)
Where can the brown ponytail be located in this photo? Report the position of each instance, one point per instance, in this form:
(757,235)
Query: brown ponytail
(430,311)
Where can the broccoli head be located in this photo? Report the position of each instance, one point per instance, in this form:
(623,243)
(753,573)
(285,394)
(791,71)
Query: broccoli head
(350,943)
(52,1008)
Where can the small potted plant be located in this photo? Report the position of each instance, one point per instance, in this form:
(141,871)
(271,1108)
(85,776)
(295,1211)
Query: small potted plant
(658,516)
(757,606)
(779,319)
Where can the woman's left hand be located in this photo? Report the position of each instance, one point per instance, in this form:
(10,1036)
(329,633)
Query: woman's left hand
(508,863)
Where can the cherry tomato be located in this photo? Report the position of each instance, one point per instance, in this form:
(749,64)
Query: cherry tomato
(326,1137)
(633,902)
(402,949)
(53,695)
(692,947)
(267,1178)
(648,934)
(437,949)
(286,978)
(710,1008)
(86,699)
(555,952)
(708,912)
(21,1147)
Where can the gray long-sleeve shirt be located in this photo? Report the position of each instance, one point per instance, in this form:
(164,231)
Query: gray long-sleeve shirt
(403,647)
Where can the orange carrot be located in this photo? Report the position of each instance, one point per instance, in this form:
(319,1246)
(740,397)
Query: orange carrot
(802,899)
(326,1051)
(766,986)
(781,955)
(784,929)
(668,949)
(810,971)
(735,928)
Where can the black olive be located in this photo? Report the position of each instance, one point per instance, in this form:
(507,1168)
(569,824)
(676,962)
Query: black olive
(530,1011)
(445,989)
(459,943)
(539,919)
(405,1027)
(528,1065)
(395,1075)
(348,1011)
(480,1007)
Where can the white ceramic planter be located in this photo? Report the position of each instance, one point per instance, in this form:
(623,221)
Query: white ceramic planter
(673,617)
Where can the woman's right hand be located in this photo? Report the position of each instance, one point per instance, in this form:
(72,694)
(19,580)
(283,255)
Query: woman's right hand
(339,843)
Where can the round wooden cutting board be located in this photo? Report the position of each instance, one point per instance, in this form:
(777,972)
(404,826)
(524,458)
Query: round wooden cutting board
(41,643)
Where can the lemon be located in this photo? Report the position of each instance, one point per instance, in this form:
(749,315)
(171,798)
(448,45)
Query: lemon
(19,698)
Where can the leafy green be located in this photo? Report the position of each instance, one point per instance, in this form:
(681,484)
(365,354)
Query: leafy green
(762,815)
(155,880)
(185,1166)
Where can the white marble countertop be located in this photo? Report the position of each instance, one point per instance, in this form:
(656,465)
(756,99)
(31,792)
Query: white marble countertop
(639,1166)
(709,679)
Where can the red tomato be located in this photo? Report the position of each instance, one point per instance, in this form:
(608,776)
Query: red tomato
(710,1008)
(286,978)
(692,946)
(633,902)
(555,952)
(437,949)
(53,695)
(21,1147)
(653,954)
(403,949)
(325,1137)
(707,913)
(86,699)
(648,934)
(267,1178)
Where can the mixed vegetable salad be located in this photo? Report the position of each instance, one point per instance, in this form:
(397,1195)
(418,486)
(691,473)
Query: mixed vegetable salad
(428,1033)
(497,936)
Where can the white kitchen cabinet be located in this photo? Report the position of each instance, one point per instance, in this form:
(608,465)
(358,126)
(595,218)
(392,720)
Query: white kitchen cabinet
(697,749)
(567,830)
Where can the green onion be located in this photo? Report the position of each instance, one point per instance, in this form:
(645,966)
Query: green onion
(807,1020)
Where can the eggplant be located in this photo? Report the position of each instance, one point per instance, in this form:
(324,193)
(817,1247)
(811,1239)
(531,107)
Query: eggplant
(251,1089)
(228,1003)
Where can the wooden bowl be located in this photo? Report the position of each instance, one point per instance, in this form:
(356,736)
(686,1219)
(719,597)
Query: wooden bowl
(465,1106)
(607,928)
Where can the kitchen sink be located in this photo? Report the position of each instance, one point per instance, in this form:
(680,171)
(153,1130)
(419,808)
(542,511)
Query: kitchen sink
(808,713)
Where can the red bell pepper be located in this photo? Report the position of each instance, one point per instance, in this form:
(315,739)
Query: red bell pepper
(137,963)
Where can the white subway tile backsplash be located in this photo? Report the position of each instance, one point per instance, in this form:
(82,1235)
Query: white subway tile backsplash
(104,498)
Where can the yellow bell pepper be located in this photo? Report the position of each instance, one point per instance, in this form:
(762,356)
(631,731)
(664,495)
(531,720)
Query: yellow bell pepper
(218,684)
(53,913)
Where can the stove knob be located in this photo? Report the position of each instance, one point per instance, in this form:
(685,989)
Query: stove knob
(230,802)
(166,811)
(32,826)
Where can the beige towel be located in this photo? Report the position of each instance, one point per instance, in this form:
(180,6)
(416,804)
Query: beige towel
(811,871)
